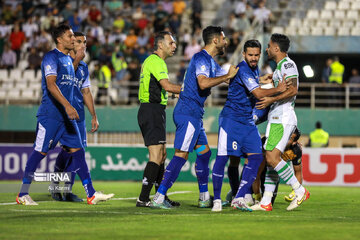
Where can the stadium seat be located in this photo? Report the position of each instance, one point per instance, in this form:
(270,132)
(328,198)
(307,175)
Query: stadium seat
(316,31)
(344,31)
(355,5)
(312,14)
(348,23)
(4,75)
(326,14)
(335,23)
(292,31)
(307,23)
(15,75)
(344,5)
(27,94)
(339,14)
(277,29)
(304,31)
(329,31)
(330,5)
(13,94)
(352,14)
(321,23)
(21,85)
(22,65)
(2,94)
(29,75)
(34,85)
(295,22)
(355,31)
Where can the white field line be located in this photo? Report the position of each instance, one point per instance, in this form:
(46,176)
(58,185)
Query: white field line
(116,199)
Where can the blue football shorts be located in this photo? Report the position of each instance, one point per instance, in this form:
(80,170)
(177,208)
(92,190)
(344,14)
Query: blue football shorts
(237,139)
(189,133)
(51,131)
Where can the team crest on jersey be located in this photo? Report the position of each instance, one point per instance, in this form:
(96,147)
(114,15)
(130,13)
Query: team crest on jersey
(48,67)
(251,80)
(203,68)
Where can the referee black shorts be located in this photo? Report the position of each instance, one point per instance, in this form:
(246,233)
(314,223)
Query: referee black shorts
(152,123)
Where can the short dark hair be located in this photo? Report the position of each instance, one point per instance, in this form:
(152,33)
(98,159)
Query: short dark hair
(79,34)
(297,133)
(59,31)
(210,32)
(160,36)
(282,41)
(253,43)
(318,124)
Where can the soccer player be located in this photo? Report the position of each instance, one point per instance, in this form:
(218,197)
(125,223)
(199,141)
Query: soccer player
(282,122)
(56,117)
(238,133)
(82,95)
(153,96)
(202,74)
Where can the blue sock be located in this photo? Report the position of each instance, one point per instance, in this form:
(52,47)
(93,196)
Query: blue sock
(249,174)
(171,173)
(61,161)
(218,175)
(83,171)
(202,170)
(70,167)
(30,168)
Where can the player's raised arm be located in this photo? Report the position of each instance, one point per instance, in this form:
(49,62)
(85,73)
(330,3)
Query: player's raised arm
(56,93)
(89,102)
(206,82)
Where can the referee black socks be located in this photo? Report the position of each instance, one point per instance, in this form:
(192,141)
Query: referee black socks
(150,176)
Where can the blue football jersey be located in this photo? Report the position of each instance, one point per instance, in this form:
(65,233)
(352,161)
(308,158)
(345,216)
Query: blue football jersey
(81,81)
(240,102)
(192,98)
(56,63)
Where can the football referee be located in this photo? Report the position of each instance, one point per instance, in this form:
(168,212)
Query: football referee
(153,96)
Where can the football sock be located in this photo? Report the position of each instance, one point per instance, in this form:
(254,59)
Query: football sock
(160,176)
(30,168)
(171,174)
(150,175)
(271,179)
(218,175)
(202,173)
(249,174)
(82,170)
(70,168)
(61,161)
(234,179)
(286,173)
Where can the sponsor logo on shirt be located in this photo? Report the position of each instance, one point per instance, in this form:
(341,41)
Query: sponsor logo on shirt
(203,68)
(251,80)
(288,65)
(48,67)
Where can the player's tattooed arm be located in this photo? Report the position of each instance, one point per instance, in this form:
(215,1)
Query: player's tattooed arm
(291,91)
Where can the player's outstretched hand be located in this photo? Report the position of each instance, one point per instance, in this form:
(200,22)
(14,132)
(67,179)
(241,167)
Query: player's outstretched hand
(72,113)
(282,86)
(232,71)
(267,78)
(264,102)
(94,124)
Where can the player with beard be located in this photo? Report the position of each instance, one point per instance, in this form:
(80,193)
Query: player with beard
(202,74)
(238,133)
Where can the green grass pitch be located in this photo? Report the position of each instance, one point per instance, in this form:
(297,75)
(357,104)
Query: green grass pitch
(330,213)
